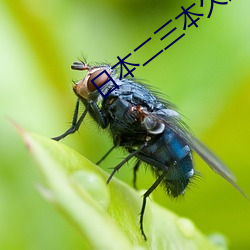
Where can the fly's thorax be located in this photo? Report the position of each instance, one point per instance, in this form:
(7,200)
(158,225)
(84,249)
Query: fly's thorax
(154,122)
(85,87)
(152,125)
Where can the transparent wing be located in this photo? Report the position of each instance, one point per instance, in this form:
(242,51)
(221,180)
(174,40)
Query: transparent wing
(208,156)
(175,124)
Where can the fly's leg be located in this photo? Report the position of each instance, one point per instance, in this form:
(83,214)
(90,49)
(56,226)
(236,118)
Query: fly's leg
(125,160)
(91,106)
(75,124)
(136,167)
(145,196)
(105,155)
(97,114)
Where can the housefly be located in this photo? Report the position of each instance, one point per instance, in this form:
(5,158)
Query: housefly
(149,128)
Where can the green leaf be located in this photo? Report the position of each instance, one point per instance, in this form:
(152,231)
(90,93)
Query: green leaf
(107,215)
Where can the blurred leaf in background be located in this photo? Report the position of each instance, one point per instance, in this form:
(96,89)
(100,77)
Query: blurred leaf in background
(206,74)
(107,215)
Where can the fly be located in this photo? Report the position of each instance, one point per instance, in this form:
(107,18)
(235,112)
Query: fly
(149,128)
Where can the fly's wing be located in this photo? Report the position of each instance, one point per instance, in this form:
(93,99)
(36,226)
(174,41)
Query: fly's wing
(212,160)
(175,124)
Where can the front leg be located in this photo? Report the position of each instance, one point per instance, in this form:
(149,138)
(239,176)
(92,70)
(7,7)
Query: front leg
(95,112)
(75,124)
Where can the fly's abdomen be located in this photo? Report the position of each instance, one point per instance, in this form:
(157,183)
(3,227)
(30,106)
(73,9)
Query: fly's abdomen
(180,165)
(169,155)
(178,176)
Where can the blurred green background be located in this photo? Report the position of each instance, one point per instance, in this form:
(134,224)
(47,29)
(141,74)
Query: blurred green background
(206,74)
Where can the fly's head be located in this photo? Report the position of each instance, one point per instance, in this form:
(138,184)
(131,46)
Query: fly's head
(85,87)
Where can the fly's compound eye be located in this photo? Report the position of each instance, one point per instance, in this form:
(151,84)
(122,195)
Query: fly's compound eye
(153,126)
(99,77)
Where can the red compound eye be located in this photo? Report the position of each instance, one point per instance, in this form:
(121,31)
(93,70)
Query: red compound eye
(98,81)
